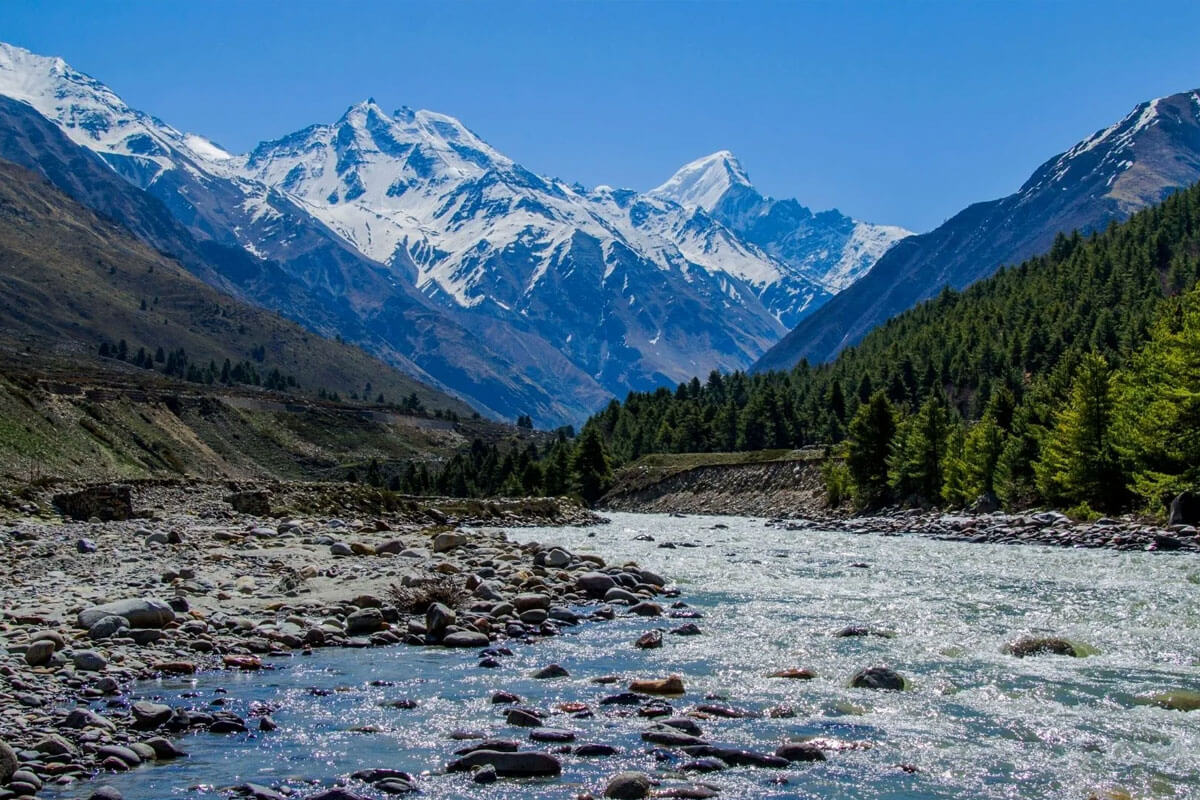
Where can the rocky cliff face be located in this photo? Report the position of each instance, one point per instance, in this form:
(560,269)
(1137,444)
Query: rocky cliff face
(788,487)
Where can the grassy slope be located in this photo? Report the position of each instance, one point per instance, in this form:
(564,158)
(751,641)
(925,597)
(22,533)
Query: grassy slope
(91,428)
(69,280)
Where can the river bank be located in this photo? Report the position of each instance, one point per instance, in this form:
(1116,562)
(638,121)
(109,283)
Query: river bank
(789,490)
(1049,528)
(188,583)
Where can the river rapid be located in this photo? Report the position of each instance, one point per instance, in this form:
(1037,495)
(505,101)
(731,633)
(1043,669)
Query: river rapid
(976,722)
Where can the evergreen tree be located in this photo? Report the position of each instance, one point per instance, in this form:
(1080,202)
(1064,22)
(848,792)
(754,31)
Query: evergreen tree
(593,475)
(1159,405)
(958,488)
(918,454)
(868,446)
(1079,461)
(981,452)
(556,473)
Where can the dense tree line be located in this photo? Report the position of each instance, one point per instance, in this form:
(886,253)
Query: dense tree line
(177,364)
(1072,378)
(563,467)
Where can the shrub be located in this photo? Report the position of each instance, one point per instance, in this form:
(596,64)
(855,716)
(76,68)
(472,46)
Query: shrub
(418,597)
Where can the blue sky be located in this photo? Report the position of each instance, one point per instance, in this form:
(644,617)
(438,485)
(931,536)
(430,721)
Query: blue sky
(895,112)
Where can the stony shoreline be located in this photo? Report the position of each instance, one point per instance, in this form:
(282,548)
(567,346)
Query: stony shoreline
(190,584)
(1049,528)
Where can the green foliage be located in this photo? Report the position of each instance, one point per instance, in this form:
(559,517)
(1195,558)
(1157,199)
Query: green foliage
(838,483)
(1158,417)
(1079,461)
(958,486)
(916,465)
(1001,357)
(869,445)
(1083,513)
(593,475)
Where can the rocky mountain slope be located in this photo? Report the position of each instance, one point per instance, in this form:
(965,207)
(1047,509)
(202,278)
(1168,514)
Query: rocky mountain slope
(1134,163)
(408,234)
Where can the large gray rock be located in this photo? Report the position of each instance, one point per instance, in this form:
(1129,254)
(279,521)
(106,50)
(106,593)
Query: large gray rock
(89,661)
(437,618)
(39,653)
(595,584)
(86,718)
(108,626)
(8,763)
(447,541)
(144,612)
(515,765)
(465,639)
(800,751)
(365,620)
(879,678)
(147,716)
(628,786)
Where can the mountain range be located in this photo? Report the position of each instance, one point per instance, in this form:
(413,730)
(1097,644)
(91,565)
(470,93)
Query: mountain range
(409,235)
(1134,163)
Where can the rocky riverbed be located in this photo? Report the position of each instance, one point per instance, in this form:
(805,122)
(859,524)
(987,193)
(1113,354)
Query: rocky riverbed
(1040,528)
(190,584)
(526,664)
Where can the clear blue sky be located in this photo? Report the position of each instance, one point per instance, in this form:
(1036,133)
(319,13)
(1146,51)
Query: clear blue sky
(898,112)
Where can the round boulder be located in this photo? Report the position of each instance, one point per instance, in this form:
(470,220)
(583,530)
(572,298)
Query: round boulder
(39,653)
(882,678)
(628,786)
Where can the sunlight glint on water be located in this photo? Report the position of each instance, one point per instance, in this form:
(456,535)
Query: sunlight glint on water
(977,723)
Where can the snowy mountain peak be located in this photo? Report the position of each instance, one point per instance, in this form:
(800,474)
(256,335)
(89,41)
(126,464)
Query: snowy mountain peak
(606,291)
(703,182)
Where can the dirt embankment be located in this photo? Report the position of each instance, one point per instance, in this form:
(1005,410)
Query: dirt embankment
(789,487)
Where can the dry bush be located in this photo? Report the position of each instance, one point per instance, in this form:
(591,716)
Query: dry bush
(417,598)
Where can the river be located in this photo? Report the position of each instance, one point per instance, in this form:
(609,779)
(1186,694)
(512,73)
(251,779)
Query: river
(976,722)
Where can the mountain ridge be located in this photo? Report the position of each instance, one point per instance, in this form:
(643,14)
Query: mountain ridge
(574,295)
(1131,164)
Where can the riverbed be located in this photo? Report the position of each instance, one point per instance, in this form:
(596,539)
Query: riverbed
(976,721)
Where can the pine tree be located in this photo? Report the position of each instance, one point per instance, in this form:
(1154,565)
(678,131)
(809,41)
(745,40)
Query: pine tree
(593,475)
(556,474)
(1158,419)
(1015,482)
(1079,461)
(869,444)
(918,454)
(981,452)
(958,488)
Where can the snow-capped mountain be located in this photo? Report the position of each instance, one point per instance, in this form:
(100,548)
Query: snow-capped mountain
(827,248)
(291,262)
(406,231)
(418,185)
(1136,162)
